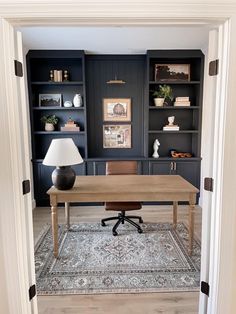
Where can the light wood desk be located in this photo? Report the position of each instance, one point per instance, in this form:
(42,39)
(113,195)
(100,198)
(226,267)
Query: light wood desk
(125,188)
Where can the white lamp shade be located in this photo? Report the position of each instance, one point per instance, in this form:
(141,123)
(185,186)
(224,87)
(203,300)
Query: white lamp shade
(62,152)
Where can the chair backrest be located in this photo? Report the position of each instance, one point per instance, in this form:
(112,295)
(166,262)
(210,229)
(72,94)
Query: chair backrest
(121,167)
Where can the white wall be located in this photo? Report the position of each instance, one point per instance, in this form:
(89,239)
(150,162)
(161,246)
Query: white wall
(115,40)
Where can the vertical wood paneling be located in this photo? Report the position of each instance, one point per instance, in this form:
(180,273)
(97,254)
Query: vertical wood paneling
(100,69)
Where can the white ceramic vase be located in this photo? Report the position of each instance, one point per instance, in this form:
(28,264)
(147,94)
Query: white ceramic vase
(77,100)
(159,102)
(49,127)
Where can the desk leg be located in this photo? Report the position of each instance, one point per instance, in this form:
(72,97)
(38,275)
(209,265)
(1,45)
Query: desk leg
(67,215)
(175,207)
(191,222)
(54,215)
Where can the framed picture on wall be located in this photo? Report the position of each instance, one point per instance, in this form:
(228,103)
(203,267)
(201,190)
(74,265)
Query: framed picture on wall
(50,100)
(172,72)
(117,136)
(116,109)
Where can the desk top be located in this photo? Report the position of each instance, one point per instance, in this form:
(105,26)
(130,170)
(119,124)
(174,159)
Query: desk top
(126,188)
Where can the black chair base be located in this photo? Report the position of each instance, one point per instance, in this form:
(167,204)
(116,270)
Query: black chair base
(121,218)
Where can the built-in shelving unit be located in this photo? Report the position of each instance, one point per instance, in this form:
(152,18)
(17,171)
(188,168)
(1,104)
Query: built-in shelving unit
(188,118)
(39,65)
(88,76)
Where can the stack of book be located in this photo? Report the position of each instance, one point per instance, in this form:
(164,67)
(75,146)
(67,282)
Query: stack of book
(70,126)
(173,127)
(57,75)
(182,101)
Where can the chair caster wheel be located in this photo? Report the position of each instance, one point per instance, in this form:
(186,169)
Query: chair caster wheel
(114,233)
(140,220)
(103,224)
(140,230)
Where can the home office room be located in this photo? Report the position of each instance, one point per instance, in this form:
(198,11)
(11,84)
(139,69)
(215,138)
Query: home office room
(120,146)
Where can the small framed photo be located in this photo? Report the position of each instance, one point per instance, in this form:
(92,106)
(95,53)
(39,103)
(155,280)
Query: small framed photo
(116,109)
(172,72)
(117,136)
(50,100)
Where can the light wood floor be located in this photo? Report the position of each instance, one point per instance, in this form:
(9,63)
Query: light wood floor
(148,303)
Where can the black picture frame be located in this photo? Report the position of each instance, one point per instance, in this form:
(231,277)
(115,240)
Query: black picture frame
(50,100)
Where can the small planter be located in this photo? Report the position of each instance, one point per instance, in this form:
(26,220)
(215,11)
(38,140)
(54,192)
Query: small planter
(159,102)
(49,127)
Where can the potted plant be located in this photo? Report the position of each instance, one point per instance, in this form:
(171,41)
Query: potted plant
(163,95)
(50,122)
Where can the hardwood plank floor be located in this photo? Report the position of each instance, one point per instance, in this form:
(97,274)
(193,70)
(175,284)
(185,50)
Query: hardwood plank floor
(149,303)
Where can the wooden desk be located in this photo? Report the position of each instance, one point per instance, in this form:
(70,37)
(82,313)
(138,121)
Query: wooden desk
(126,188)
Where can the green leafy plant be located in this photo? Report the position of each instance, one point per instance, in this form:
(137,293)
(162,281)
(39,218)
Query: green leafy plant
(49,119)
(165,91)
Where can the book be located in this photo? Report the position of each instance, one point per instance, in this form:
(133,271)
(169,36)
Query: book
(171,128)
(182,98)
(70,129)
(57,75)
(182,103)
(70,125)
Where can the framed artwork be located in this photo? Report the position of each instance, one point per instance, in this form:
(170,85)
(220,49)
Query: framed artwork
(50,100)
(117,136)
(172,72)
(116,109)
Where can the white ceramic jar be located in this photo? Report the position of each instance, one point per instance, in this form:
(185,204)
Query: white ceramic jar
(77,100)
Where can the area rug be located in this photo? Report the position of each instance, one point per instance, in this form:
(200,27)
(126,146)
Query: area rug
(91,260)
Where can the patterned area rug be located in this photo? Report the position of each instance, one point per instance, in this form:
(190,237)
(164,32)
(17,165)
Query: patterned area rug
(91,260)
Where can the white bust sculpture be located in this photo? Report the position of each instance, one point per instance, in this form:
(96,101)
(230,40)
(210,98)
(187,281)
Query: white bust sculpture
(156,145)
(171,120)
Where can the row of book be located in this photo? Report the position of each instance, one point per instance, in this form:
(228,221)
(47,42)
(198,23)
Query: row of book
(182,101)
(59,75)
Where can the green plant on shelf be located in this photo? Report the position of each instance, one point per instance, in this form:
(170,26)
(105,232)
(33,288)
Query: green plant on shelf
(49,122)
(165,91)
(52,119)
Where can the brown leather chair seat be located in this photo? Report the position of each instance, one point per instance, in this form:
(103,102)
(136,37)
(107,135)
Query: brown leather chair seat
(119,168)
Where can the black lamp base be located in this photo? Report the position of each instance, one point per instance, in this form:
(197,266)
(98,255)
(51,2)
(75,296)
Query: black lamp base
(63,178)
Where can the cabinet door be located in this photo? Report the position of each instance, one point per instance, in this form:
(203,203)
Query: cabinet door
(160,167)
(95,168)
(189,171)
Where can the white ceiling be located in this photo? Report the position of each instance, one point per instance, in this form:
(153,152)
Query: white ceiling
(116,40)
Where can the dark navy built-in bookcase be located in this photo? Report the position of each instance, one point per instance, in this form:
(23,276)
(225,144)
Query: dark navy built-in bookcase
(89,76)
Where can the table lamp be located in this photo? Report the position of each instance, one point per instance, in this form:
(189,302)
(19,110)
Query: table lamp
(63,153)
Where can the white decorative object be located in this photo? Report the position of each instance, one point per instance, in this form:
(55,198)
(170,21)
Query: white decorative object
(77,101)
(171,120)
(49,127)
(156,145)
(67,104)
(159,102)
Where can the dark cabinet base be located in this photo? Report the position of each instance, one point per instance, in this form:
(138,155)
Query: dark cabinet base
(188,169)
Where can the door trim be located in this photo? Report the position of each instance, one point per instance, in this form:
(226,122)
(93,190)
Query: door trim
(131,14)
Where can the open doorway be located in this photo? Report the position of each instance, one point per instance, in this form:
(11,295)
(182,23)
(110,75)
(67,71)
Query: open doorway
(194,37)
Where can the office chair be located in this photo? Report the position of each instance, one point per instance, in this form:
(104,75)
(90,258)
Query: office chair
(119,168)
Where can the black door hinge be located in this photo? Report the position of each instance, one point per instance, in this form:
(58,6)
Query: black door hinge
(18,68)
(26,186)
(213,67)
(208,184)
(32,292)
(205,288)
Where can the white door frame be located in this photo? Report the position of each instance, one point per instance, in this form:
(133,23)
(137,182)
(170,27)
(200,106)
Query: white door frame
(120,13)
